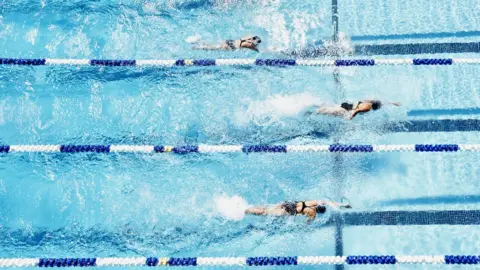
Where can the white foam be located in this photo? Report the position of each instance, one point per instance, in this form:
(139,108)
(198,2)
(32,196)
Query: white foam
(31,36)
(231,207)
(275,24)
(345,43)
(193,39)
(275,107)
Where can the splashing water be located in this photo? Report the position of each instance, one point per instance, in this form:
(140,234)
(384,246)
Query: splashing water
(231,207)
(276,107)
(193,39)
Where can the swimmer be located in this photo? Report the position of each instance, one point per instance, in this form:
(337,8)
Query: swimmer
(247,42)
(349,110)
(310,209)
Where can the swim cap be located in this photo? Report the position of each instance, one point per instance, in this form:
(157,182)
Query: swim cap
(376,104)
(320,209)
(253,39)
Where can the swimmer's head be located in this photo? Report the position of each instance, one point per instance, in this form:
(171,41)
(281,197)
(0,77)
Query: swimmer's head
(255,40)
(376,104)
(320,209)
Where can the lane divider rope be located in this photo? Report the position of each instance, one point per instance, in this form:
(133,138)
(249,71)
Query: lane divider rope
(241,62)
(237,261)
(203,148)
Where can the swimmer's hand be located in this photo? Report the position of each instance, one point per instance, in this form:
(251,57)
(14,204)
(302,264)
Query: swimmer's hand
(349,116)
(344,204)
(310,220)
(395,103)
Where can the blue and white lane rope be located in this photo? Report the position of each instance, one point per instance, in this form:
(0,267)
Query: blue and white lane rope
(203,148)
(237,261)
(241,62)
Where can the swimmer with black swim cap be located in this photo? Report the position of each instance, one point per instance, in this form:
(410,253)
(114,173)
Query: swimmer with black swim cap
(349,110)
(248,42)
(310,209)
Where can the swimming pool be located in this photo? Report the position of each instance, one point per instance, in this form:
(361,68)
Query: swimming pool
(130,205)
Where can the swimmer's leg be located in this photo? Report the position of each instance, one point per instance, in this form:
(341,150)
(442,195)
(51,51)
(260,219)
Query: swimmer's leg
(277,211)
(208,47)
(258,211)
(204,47)
(307,111)
(266,211)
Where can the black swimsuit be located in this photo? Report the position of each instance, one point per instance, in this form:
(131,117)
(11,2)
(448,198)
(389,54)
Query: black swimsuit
(231,44)
(349,106)
(291,207)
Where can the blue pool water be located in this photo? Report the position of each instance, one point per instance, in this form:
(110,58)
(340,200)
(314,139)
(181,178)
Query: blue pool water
(57,205)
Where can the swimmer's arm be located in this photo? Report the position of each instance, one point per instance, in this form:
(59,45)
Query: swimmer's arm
(343,205)
(334,204)
(266,211)
(254,48)
(353,114)
(311,214)
(364,107)
(387,102)
(356,112)
(394,103)
(251,47)
(328,203)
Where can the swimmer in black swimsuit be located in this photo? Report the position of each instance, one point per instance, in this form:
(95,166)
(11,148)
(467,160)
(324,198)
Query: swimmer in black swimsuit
(349,110)
(308,208)
(248,42)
